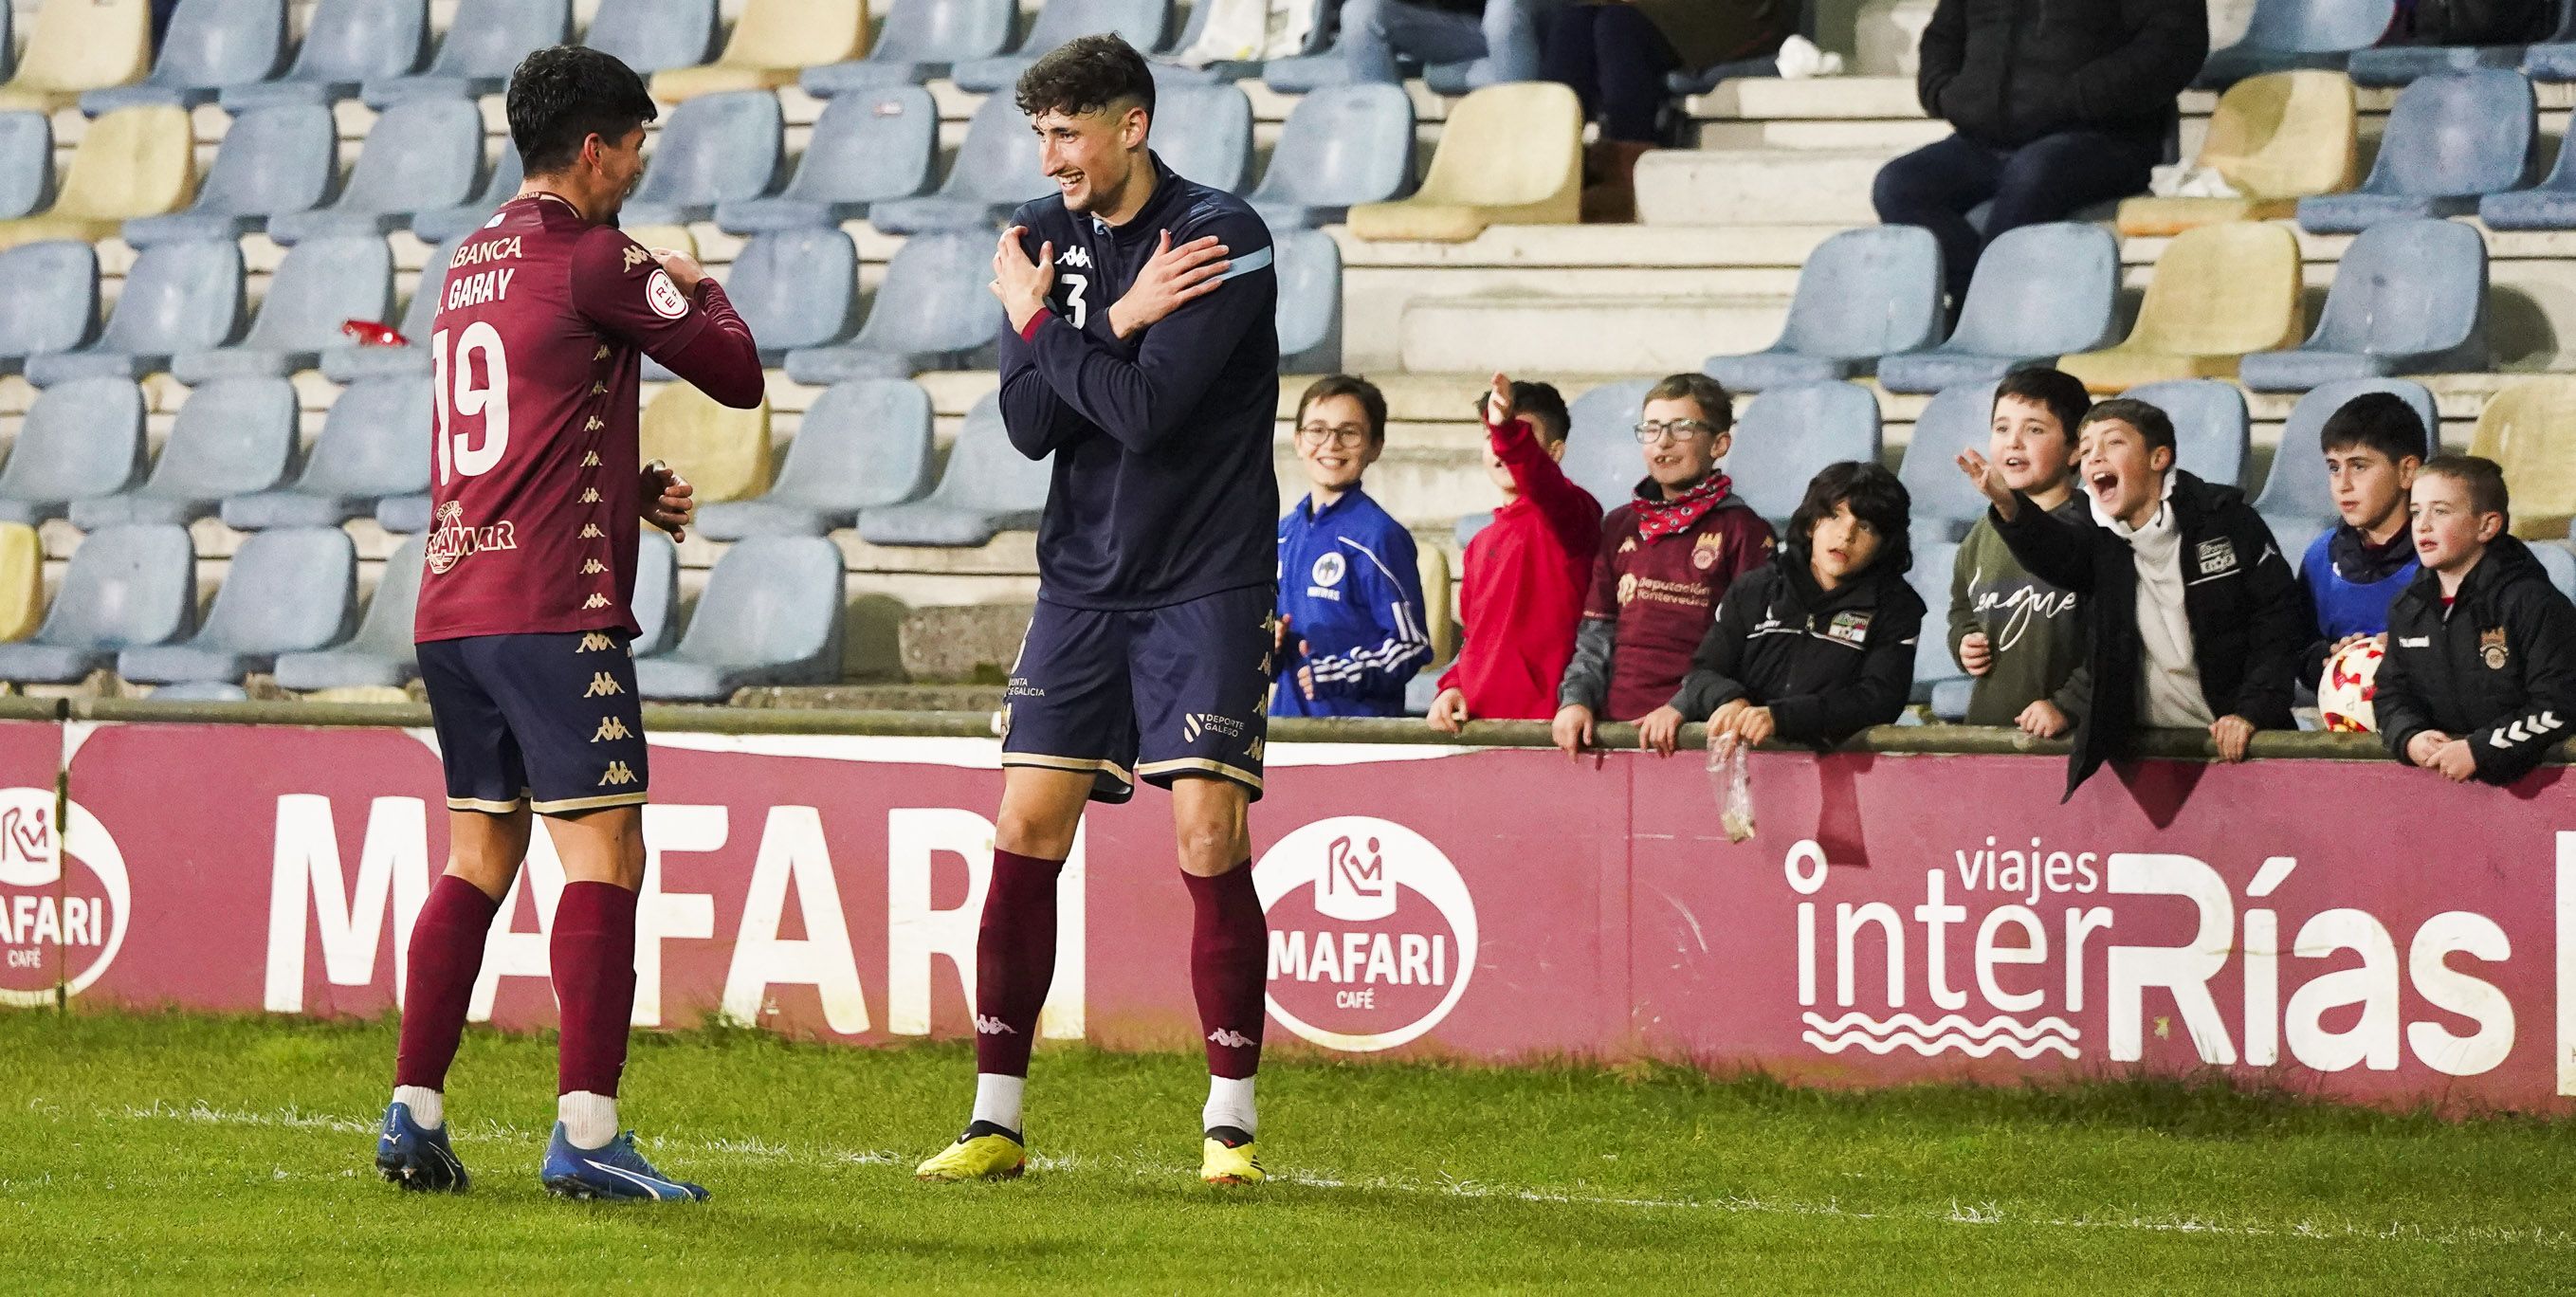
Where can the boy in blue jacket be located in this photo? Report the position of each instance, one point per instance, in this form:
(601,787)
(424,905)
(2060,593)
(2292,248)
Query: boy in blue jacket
(1350,598)
(2373,446)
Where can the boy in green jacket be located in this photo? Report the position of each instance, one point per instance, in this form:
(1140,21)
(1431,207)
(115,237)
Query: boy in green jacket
(2020,638)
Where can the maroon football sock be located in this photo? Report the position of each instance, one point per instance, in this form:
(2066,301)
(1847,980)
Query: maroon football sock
(439,969)
(1014,960)
(1229,965)
(593,952)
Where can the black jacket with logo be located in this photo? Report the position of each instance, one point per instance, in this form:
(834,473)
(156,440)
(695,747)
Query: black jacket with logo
(2006,72)
(2240,597)
(1828,664)
(2498,667)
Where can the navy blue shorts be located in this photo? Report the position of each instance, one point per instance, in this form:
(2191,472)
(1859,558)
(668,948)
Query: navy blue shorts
(1151,693)
(550,722)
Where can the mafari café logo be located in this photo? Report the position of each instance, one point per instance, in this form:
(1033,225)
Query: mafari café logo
(1372,933)
(63,911)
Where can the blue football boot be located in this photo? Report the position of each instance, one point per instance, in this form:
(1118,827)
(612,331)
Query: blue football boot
(614,1171)
(414,1157)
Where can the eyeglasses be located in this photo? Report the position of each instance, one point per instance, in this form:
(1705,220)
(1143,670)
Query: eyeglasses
(1650,432)
(1312,435)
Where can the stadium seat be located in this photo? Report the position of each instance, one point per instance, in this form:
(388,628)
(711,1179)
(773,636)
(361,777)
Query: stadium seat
(863,445)
(1508,155)
(2219,292)
(2275,139)
(654,35)
(920,40)
(2409,297)
(424,155)
(1206,134)
(2397,65)
(349,364)
(346,44)
(371,446)
(81,440)
(714,149)
(2296,488)
(322,284)
(1865,293)
(210,44)
(932,312)
(26,163)
(293,590)
(2213,434)
(1142,22)
(53,300)
(233,437)
(2043,291)
(2529,429)
(657,593)
(723,452)
(132,162)
(868,147)
(795,289)
(1933,665)
(179,297)
(380,655)
(125,587)
(2554,58)
(773,42)
(1342,146)
(1601,453)
(988,488)
(1946,504)
(450,224)
(1309,315)
(771,615)
(485,41)
(8,43)
(2560,562)
(2285,34)
(22,578)
(2551,205)
(2451,140)
(273,162)
(996,170)
(1789,434)
(73,49)
(403,515)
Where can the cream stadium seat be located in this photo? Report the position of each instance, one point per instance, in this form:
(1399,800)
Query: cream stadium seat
(2219,292)
(2275,139)
(132,162)
(77,48)
(773,43)
(2530,429)
(1439,625)
(723,452)
(22,581)
(1509,155)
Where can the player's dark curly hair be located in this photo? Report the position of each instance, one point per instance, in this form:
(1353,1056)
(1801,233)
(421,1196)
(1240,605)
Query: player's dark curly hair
(560,97)
(1085,73)
(1875,497)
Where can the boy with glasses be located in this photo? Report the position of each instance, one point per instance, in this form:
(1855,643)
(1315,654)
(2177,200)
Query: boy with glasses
(1350,595)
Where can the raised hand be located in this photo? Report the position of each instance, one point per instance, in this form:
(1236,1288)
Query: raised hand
(1990,481)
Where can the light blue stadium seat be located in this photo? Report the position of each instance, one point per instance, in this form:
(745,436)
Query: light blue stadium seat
(1142,22)
(989,487)
(8,43)
(868,147)
(2451,140)
(81,440)
(2550,205)
(424,155)
(1933,665)
(403,515)
(2043,291)
(2212,434)
(1309,314)
(380,654)
(996,170)
(349,364)
(657,593)
(179,297)
(485,41)
(2561,563)
(771,615)
(2396,65)
(373,445)
(2285,34)
(233,437)
(2409,297)
(1787,435)
(125,587)
(1206,134)
(294,590)
(932,312)
(1341,146)
(346,43)
(921,38)
(713,149)
(1864,294)
(863,445)
(450,224)
(321,285)
(273,162)
(2554,58)
(26,164)
(793,288)
(1601,451)
(53,300)
(211,44)
(655,35)
(1946,504)
(2296,488)
(201,691)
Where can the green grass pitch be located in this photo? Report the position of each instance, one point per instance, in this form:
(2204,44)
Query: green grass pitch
(233,1156)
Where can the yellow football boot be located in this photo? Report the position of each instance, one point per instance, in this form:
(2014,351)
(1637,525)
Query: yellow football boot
(984,1152)
(1227,1156)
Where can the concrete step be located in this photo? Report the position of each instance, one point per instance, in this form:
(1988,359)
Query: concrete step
(1758,187)
(1633,334)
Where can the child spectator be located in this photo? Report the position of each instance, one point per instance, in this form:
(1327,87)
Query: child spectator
(2196,617)
(2480,677)
(2373,447)
(1819,645)
(2019,638)
(1665,559)
(1523,587)
(1350,595)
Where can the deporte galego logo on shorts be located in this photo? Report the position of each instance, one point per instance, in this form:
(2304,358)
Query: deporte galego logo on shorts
(63,908)
(1372,933)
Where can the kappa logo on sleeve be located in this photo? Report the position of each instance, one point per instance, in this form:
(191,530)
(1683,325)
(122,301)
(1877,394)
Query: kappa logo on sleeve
(634,256)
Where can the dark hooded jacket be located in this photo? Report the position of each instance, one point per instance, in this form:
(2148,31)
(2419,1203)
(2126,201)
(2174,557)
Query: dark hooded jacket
(1828,664)
(2497,667)
(2006,72)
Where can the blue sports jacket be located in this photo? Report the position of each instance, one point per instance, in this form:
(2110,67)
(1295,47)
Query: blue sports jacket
(1353,596)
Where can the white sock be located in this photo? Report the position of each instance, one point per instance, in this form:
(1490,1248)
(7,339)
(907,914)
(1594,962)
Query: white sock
(997,1099)
(1229,1104)
(589,1120)
(428,1106)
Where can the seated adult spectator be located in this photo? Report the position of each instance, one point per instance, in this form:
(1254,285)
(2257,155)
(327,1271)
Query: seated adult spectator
(2056,106)
(1375,32)
(1522,590)
(1616,56)
(2480,678)
(2020,639)
(1665,559)
(1818,645)
(1350,595)
(2196,618)
(2373,446)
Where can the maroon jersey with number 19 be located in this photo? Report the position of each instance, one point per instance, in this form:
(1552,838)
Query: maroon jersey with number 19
(536,356)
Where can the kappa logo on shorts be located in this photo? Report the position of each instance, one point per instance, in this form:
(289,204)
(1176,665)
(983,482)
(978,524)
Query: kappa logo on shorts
(595,642)
(596,423)
(619,775)
(590,460)
(591,531)
(602,685)
(590,495)
(593,568)
(611,730)
(595,601)
(599,355)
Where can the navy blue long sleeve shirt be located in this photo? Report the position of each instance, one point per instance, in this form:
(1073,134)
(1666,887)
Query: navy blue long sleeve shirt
(1163,489)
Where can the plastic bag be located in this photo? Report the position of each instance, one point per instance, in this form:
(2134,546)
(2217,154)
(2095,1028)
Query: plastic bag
(1733,784)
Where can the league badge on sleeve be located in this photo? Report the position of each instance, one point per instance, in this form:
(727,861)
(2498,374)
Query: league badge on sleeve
(664,296)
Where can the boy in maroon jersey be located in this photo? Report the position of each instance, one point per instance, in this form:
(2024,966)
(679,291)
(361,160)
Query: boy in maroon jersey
(523,619)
